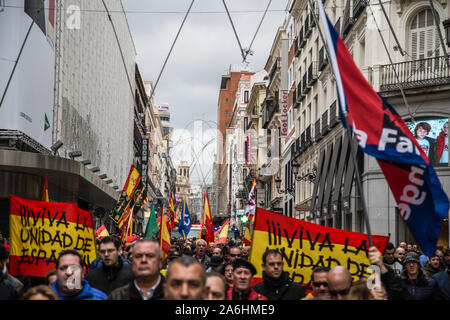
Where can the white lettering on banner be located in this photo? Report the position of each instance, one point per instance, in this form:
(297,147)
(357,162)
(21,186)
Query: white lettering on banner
(284,112)
(411,193)
(402,144)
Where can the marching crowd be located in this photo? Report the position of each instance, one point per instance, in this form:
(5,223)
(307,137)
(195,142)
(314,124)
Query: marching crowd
(194,270)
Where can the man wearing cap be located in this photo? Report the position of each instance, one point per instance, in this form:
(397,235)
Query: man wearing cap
(419,286)
(276,284)
(243,272)
(10,287)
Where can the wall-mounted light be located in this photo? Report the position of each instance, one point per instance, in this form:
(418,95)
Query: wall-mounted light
(58,144)
(446,24)
(86,162)
(75,154)
(95,169)
(102,176)
(108,181)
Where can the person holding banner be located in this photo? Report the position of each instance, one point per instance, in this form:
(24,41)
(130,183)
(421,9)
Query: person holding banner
(70,283)
(276,284)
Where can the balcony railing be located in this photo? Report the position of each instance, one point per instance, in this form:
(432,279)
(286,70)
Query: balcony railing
(415,74)
(300,93)
(325,128)
(337,26)
(305,87)
(312,73)
(312,21)
(302,142)
(348,21)
(274,69)
(301,39)
(358,8)
(308,141)
(308,29)
(317,134)
(297,47)
(333,118)
(323,59)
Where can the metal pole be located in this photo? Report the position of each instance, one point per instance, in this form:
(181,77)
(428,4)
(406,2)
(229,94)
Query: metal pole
(350,138)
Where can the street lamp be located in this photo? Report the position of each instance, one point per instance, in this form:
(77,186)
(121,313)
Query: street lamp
(446,24)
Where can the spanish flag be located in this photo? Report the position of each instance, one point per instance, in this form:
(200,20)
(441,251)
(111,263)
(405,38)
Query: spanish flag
(45,196)
(207,223)
(247,238)
(222,234)
(171,213)
(102,232)
(164,236)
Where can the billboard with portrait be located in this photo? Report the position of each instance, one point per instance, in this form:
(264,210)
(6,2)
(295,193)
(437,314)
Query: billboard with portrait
(27,68)
(432,136)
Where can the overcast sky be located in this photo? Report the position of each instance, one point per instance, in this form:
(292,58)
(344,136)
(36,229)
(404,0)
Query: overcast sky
(205,48)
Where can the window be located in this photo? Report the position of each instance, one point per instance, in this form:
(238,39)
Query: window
(226,100)
(246,96)
(424,38)
(226,112)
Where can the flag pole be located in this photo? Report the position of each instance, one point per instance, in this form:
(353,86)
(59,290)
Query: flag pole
(349,135)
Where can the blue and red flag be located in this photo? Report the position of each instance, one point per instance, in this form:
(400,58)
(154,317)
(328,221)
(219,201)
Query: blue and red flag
(383,134)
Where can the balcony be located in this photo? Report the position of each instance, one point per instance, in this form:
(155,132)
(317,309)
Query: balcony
(274,69)
(348,21)
(302,142)
(308,29)
(308,140)
(325,127)
(317,134)
(305,87)
(323,59)
(297,47)
(312,73)
(300,94)
(415,74)
(358,8)
(337,26)
(301,39)
(333,118)
(270,108)
(312,21)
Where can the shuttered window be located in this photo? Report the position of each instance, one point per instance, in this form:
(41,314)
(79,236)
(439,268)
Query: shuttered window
(424,37)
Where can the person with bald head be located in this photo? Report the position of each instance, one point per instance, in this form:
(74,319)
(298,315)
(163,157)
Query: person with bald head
(339,283)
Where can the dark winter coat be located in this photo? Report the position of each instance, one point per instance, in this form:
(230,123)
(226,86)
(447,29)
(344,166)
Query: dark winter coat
(130,292)
(430,271)
(395,288)
(422,288)
(7,289)
(107,279)
(443,283)
(282,288)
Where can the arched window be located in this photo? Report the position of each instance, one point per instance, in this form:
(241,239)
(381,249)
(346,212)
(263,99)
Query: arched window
(424,36)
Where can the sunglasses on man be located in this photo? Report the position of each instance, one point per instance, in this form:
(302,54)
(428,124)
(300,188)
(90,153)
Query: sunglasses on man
(335,293)
(318,284)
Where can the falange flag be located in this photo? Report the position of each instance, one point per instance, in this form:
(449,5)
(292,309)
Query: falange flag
(383,134)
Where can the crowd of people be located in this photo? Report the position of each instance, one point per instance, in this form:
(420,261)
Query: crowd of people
(194,270)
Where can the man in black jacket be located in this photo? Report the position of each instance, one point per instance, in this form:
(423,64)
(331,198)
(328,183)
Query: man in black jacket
(276,284)
(148,282)
(112,273)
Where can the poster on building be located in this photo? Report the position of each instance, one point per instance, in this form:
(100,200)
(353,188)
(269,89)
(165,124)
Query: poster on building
(305,246)
(40,230)
(432,136)
(30,113)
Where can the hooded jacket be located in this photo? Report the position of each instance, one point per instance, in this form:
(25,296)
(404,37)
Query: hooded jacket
(107,279)
(87,293)
(282,288)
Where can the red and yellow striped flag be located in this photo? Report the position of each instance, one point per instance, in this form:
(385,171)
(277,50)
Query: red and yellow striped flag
(45,196)
(207,223)
(164,236)
(222,233)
